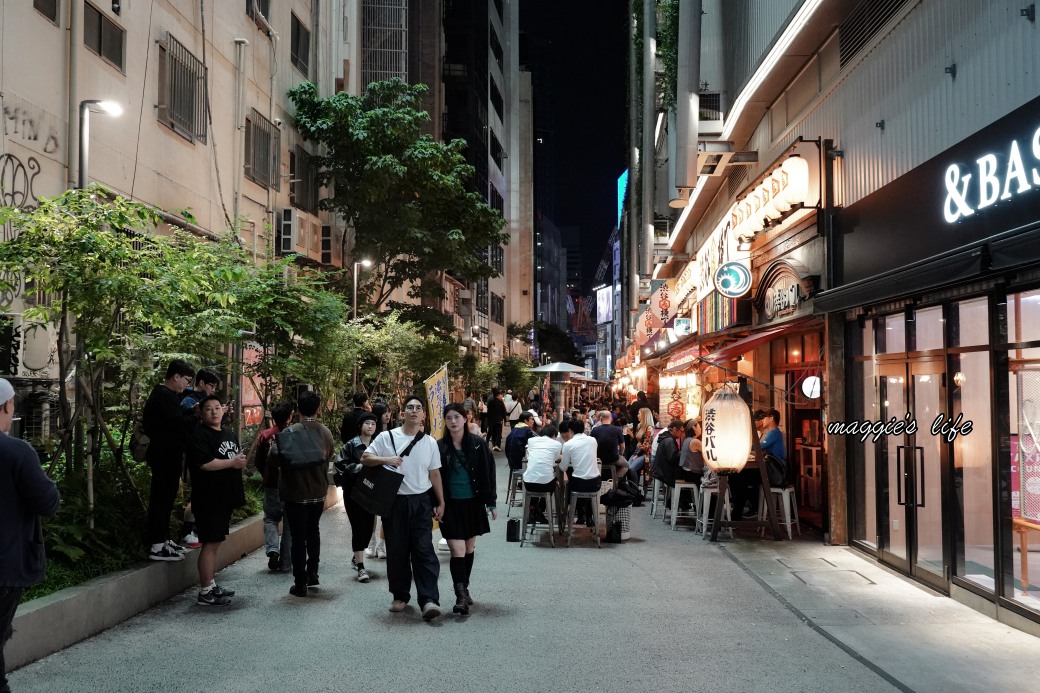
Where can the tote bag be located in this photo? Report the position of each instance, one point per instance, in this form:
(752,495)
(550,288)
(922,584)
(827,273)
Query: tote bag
(377,487)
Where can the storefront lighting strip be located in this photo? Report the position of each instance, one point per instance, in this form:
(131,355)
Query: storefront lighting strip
(805,13)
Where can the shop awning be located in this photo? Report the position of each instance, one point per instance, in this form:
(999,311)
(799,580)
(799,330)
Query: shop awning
(742,346)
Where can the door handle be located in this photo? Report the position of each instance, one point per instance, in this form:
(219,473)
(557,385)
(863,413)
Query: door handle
(900,479)
(919,470)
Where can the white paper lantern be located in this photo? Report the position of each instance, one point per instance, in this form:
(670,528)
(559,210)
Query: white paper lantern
(778,184)
(797,189)
(727,430)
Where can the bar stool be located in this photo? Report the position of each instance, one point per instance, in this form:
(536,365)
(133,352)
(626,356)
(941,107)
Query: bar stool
(527,498)
(693,511)
(516,486)
(659,497)
(783,500)
(706,520)
(593,497)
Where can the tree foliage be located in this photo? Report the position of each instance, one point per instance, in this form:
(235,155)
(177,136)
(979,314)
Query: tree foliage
(403,193)
(514,373)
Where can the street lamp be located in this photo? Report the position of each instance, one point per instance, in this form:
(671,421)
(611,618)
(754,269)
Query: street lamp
(366,264)
(85,107)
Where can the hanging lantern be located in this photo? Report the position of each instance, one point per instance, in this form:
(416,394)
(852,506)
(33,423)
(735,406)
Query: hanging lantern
(797,189)
(727,430)
(778,184)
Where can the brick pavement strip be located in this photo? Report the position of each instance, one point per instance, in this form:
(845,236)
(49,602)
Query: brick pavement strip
(664,611)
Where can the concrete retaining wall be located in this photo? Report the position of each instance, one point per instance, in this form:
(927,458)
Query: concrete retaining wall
(48,624)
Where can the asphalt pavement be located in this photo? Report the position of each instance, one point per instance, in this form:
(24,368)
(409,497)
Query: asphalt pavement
(664,611)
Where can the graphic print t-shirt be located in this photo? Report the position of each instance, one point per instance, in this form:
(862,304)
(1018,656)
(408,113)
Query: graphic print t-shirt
(220,489)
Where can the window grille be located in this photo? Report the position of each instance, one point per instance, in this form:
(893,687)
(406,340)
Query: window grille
(182,90)
(303,181)
(496,46)
(384,40)
(496,202)
(326,245)
(264,6)
(498,255)
(482,296)
(263,147)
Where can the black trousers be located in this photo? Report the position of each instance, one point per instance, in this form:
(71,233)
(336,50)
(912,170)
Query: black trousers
(9,597)
(409,549)
(743,488)
(304,519)
(495,433)
(584,507)
(362,523)
(166,479)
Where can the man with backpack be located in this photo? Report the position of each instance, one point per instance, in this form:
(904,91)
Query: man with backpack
(516,441)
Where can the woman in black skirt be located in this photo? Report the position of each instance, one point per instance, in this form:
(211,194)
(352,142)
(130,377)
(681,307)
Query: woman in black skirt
(468,476)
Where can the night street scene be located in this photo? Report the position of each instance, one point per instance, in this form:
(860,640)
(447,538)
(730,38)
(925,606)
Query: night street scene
(502,345)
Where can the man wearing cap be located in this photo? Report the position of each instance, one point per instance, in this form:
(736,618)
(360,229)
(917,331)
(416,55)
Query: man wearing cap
(25,494)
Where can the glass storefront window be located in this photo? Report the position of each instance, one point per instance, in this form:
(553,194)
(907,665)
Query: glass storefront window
(1023,316)
(892,337)
(973,470)
(1024,410)
(863,487)
(928,329)
(969,323)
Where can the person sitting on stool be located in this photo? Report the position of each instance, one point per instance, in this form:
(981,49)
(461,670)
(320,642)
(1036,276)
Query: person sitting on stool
(580,466)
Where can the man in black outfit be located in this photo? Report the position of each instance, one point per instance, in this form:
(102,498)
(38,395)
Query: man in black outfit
(610,443)
(168,426)
(640,403)
(496,416)
(348,430)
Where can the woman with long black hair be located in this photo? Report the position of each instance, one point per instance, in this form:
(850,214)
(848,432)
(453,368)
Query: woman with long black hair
(348,468)
(377,545)
(468,475)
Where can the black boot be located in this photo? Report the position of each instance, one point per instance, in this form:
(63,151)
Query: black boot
(461,607)
(469,599)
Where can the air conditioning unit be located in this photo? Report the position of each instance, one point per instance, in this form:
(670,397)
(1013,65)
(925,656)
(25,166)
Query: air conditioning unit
(288,231)
(27,350)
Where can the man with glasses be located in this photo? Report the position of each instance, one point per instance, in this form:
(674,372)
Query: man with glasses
(409,527)
(168,427)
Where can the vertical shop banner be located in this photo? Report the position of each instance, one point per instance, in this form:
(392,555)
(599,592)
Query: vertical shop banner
(1025,449)
(437,398)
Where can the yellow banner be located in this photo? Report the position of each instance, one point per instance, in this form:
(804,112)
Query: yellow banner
(437,399)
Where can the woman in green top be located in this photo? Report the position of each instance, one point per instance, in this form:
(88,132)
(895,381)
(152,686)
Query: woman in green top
(468,473)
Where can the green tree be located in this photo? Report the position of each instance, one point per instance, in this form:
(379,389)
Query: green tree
(514,373)
(476,375)
(402,192)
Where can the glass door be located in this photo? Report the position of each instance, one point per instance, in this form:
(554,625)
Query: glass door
(911,530)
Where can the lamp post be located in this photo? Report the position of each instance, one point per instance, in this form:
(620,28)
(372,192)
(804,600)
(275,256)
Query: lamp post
(85,107)
(357,265)
(729,439)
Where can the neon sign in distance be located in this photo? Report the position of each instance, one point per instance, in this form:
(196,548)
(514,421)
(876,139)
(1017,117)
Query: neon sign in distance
(733,280)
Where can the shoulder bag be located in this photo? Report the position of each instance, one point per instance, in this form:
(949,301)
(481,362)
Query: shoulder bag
(376,487)
(301,448)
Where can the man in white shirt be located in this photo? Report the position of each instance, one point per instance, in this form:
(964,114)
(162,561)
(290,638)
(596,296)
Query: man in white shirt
(409,527)
(542,452)
(580,463)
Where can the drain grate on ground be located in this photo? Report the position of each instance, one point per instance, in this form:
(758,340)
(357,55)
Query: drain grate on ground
(832,578)
(806,564)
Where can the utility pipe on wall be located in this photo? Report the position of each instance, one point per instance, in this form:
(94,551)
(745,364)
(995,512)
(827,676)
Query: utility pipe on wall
(649,158)
(687,92)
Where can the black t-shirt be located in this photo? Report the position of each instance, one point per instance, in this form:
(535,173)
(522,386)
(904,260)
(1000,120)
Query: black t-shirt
(220,489)
(608,438)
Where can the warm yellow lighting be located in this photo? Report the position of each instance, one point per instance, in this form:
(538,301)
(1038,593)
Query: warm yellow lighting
(727,430)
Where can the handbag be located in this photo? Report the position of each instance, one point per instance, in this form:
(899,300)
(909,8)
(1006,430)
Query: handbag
(776,470)
(376,487)
(513,530)
(300,449)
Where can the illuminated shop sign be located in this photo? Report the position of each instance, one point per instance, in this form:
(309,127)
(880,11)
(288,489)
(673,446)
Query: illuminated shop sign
(992,178)
(782,298)
(733,280)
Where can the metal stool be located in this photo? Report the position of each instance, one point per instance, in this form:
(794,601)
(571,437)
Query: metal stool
(659,498)
(706,520)
(516,486)
(693,511)
(593,497)
(782,498)
(528,497)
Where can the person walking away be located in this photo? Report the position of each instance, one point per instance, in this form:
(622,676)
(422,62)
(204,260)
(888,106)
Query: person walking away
(215,463)
(468,477)
(168,427)
(496,418)
(348,429)
(278,546)
(348,467)
(303,491)
(542,452)
(26,494)
(469,403)
(513,408)
(409,526)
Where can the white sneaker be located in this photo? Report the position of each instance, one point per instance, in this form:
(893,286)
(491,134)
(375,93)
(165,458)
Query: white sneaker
(165,554)
(442,545)
(381,550)
(191,540)
(175,547)
(370,551)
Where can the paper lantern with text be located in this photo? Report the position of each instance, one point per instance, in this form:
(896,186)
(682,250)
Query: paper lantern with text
(727,431)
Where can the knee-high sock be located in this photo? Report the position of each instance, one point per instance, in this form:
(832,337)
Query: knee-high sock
(469,567)
(458,570)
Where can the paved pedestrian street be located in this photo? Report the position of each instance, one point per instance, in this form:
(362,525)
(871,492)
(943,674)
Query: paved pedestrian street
(665,611)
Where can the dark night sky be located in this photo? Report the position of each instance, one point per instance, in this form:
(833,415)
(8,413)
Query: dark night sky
(577,50)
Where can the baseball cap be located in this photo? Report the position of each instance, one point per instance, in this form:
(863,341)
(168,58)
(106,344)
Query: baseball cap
(530,413)
(6,391)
